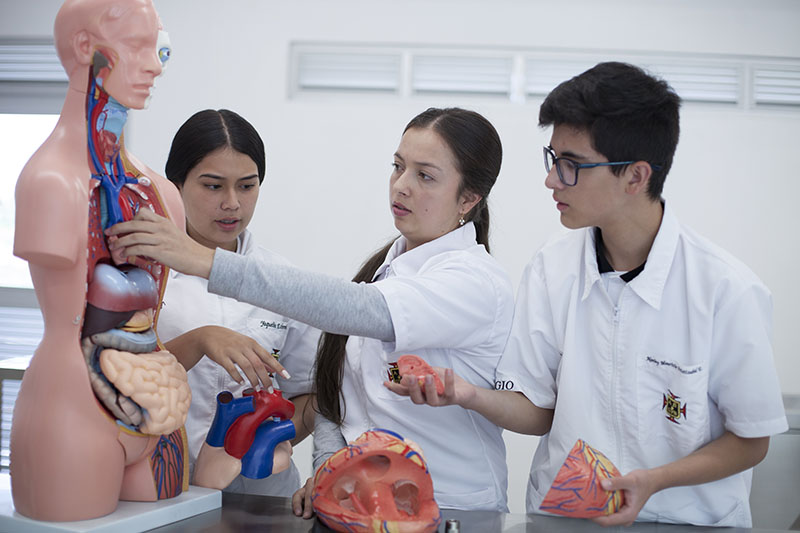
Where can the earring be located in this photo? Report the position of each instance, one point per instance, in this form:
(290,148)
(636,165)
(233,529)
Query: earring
(461,221)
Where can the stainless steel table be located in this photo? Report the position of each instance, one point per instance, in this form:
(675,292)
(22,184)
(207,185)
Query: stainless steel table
(267,514)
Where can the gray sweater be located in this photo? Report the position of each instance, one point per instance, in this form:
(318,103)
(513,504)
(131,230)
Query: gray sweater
(324,302)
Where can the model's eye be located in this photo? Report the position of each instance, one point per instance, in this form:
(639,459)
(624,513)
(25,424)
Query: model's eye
(163,47)
(396,167)
(248,186)
(213,186)
(425,177)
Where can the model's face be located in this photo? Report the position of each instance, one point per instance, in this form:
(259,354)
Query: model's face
(423,188)
(597,199)
(139,56)
(219,197)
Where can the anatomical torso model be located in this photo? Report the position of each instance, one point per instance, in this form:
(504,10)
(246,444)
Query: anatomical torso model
(100,413)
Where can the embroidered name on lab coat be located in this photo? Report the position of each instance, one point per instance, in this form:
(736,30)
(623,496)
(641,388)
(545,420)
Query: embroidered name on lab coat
(693,370)
(272,325)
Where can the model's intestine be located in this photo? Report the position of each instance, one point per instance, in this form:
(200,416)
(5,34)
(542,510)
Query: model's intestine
(155,381)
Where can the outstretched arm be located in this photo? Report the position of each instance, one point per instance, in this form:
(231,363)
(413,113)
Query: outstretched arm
(720,458)
(507,409)
(324,302)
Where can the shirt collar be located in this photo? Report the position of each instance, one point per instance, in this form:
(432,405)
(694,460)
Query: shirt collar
(410,262)
(602,261)
(649,283)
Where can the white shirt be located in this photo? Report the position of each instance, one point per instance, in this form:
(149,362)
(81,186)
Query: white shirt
(188,305)
(452,305)
(684,354)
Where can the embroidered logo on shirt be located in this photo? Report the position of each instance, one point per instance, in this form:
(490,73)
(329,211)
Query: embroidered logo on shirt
(673,407)
(393,372)
(272,325)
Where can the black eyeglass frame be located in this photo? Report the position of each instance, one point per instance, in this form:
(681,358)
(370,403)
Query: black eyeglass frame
(550,154)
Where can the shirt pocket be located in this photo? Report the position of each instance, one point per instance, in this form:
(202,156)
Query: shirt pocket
(672,405)
(380,368)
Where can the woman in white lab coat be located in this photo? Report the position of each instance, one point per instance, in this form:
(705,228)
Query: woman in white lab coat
(435,292)
(217,161)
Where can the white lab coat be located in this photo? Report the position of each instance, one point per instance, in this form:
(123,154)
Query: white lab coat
(689,336)
(451,304)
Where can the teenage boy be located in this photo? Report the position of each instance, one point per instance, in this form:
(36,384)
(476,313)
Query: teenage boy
(633,332)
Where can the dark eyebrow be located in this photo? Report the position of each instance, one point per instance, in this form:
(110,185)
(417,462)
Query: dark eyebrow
(429,165)
(217,177)
(419,163)
(568,154)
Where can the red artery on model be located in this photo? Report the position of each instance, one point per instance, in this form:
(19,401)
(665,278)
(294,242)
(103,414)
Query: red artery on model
(241,433)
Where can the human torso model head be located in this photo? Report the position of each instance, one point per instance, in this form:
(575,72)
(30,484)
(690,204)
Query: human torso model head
(101,439)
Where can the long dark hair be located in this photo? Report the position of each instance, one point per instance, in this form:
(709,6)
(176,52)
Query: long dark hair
(478,154)
(207,131)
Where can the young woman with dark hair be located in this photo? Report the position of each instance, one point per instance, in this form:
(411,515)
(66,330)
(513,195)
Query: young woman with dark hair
(217,162)
(434,291)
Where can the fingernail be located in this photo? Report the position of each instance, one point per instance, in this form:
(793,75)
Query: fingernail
(285,374)
(270,389)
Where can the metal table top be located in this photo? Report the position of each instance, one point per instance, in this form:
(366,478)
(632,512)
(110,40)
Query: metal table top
(266,514)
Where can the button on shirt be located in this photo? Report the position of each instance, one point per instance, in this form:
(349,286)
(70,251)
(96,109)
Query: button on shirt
(188,305)
(680,356)
(452,305)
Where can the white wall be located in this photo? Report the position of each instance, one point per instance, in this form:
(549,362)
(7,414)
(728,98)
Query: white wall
(324,205)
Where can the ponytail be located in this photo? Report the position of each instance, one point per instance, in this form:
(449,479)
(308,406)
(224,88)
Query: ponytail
(331,353)
(480,217)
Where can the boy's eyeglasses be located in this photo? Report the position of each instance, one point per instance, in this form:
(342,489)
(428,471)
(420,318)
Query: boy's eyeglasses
(567,169)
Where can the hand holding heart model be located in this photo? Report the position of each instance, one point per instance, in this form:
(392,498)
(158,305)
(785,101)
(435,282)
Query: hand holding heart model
(576,491)
(413,365)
